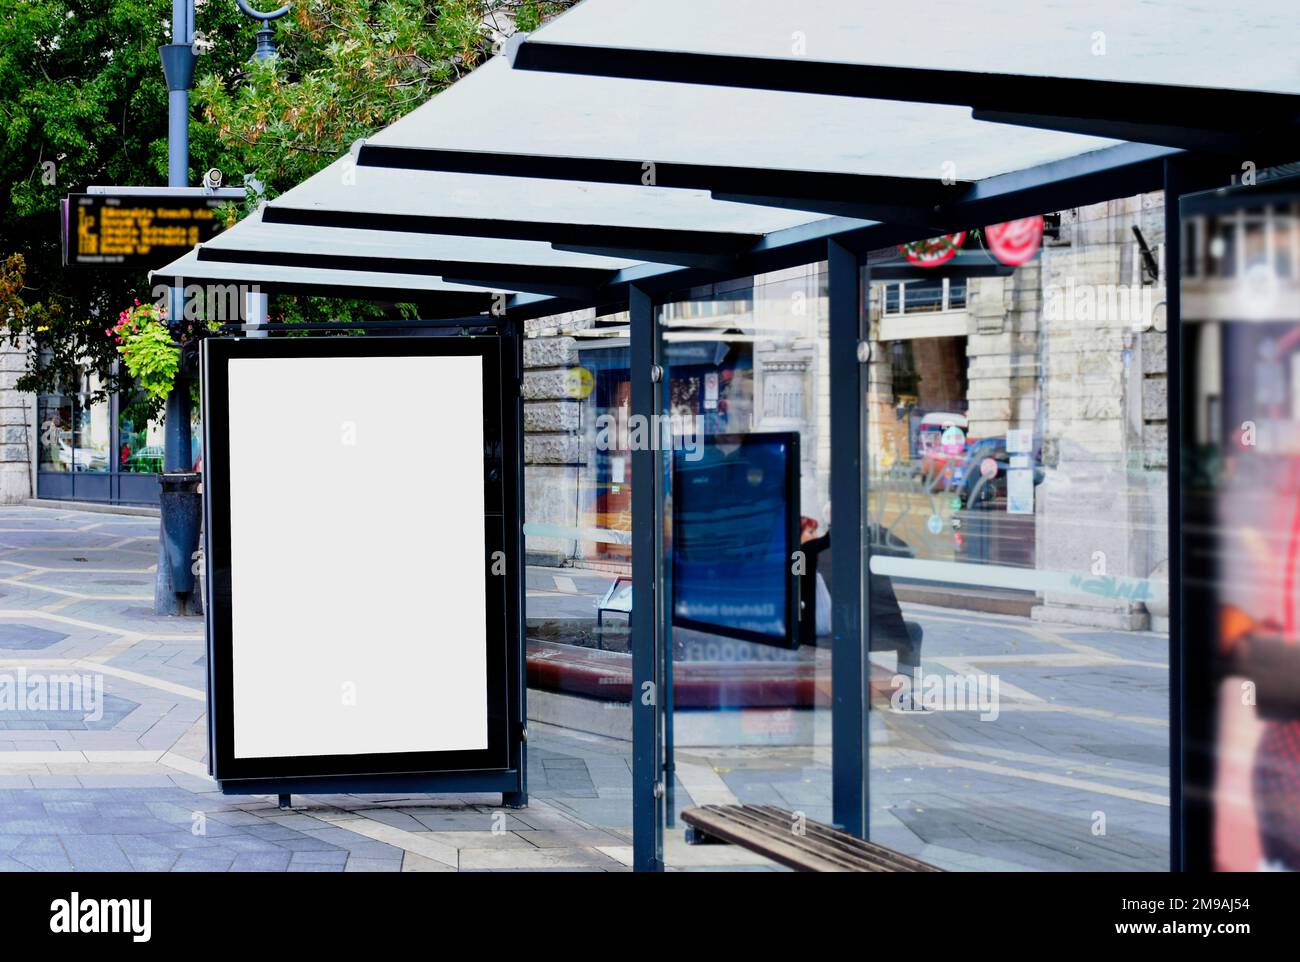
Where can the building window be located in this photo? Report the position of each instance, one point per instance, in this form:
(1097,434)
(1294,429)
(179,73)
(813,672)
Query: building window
(925,296)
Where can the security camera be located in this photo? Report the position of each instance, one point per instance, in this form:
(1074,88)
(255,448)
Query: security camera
(212,179)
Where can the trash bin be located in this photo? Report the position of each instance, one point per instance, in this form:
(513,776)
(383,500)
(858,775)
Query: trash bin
(182,513)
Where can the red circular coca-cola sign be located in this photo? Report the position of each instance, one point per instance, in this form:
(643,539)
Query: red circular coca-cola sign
(933,252)
(1017,241)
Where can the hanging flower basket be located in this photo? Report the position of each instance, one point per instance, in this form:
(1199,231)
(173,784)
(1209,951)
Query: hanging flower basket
(152,349)
(935,251)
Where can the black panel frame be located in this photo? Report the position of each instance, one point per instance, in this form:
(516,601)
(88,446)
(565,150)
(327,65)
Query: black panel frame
(501,634)
(790,604)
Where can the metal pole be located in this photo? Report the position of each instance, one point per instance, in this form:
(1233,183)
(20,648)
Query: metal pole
(255,313)
(177,441)
(512,364)
(172,586)
(647,548)
(850,612)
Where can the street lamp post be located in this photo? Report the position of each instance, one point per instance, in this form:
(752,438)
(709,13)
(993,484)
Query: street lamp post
(265,36)
(174,584)
(179,503)
(256,304)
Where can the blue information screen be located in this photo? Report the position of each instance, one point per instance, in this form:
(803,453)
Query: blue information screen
(735,524)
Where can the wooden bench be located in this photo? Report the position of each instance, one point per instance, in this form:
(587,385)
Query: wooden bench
(770,832)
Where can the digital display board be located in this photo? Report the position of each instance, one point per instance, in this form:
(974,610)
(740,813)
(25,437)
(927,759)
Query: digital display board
(136,230)
(735,530)
(354,512)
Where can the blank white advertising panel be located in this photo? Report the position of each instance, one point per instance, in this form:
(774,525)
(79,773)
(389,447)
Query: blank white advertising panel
(357,599)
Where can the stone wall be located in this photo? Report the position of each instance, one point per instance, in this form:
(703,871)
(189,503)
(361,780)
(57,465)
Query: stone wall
(553,444)
(17,417)
(1101,513)
(1002,352)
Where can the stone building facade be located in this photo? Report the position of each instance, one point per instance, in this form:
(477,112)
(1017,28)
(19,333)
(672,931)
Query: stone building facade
(17,426)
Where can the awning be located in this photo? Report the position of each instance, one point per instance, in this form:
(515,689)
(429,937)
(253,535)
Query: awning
(448,298)
(678,143)
(476,261)
(637,222)
(1173,72)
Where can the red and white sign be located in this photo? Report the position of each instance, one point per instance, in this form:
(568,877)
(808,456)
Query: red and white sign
(1016,241)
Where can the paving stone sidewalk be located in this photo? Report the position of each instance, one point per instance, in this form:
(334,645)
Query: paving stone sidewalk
(1081,741)
(125,787)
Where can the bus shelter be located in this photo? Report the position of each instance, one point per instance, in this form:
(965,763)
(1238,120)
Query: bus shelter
(624,154)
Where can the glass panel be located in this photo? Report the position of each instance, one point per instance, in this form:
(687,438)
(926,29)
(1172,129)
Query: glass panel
(1241,335)
(92,431)
(196,439)
(923,296)
(141,436)
(1283,227)
(956,293)
(1017,495)
(1223,246)
(892,302)
(577,535)
(55,420)
(749,423)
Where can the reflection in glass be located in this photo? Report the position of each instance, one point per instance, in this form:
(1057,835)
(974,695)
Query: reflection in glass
(141,437)
(54,420)
(92,435)
(1017,492)
(1242,354)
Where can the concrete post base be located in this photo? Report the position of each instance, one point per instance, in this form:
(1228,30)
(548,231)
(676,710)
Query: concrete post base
(165,599)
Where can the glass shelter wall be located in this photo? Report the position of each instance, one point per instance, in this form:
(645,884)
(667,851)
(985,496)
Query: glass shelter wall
(746,447)
(1017,490)
(578,573)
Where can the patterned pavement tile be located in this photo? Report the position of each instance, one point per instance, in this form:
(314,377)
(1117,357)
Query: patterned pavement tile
(75,588)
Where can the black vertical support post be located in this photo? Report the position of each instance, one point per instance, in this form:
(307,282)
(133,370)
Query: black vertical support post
(850,617)
(1190,641)
(664,605)
(512,465)
(647,538)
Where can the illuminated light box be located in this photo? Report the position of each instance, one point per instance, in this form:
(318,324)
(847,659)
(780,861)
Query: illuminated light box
(735,531)
(353,508)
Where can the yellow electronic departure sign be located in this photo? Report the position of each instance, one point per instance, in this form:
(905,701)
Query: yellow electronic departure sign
(141,231)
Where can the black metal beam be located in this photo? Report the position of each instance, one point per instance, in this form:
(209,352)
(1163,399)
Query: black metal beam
(864,196)
(560,281)
(715,263)
(1120,171)
(440,303)
(562,235)
(1198,139)
(1203,117)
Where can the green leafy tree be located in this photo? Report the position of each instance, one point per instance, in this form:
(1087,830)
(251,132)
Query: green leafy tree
(83,101)
(347,68)
(81,89)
